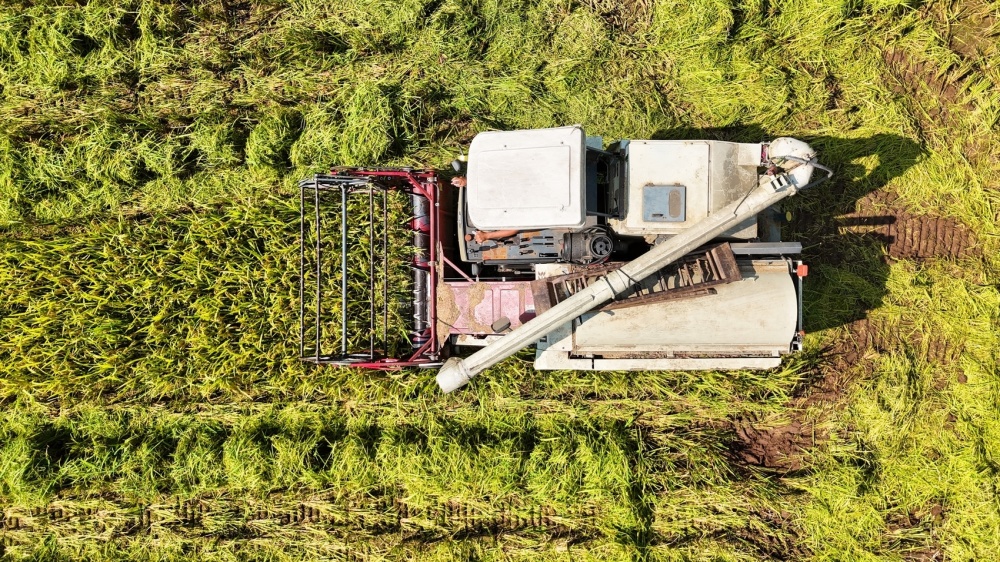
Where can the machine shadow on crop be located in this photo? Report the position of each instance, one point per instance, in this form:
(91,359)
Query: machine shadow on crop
(847,255)
(848,228)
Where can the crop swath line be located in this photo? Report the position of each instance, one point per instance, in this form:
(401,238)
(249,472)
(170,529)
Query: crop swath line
(210,518)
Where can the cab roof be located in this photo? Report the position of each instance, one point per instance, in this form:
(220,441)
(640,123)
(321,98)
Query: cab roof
(528,179)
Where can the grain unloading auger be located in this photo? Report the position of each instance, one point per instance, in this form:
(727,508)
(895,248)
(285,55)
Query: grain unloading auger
(648,255)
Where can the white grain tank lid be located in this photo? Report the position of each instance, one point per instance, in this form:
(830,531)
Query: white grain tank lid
(527,180)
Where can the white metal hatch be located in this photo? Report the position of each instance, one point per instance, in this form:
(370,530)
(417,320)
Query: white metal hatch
(526,180)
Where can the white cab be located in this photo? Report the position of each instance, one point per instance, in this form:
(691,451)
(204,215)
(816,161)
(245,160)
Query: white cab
(526,180)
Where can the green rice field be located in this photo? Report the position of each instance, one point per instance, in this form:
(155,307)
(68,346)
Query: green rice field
(152,403)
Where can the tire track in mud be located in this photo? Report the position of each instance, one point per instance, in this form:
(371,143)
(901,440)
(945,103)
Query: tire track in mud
(940,97)
(878,217)
(921,82)
(905,235)
(886,337)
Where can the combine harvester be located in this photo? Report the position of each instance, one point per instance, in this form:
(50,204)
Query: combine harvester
(647,255)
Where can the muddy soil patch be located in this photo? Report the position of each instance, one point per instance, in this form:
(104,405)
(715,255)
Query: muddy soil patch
(782,448)
(881,216)
(914,76)
(938,98)
(915,534)
(826,384)
(785,544)
(877,230)
(630,16)
(974,36)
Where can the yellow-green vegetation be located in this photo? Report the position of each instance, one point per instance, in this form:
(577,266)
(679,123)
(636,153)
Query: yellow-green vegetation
(153,406)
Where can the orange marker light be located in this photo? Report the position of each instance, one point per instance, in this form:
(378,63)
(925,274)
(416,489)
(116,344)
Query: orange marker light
(802,270)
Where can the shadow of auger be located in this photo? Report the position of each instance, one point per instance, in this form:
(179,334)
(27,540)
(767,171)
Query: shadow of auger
(866,221)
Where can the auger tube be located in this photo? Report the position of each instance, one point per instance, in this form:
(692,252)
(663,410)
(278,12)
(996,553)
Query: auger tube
(456,372)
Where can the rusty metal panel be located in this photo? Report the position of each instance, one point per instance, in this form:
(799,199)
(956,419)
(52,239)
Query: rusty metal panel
(692,276)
